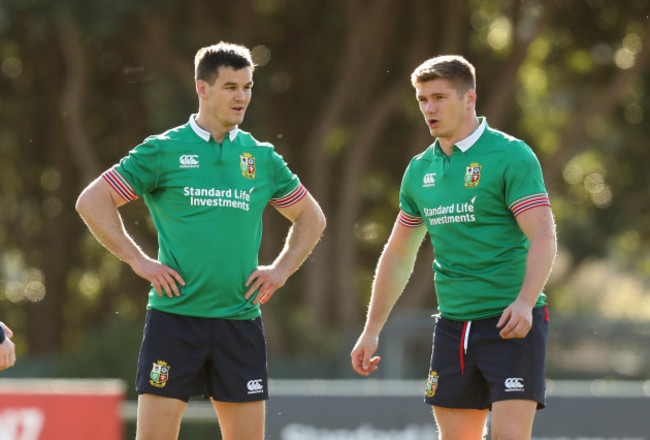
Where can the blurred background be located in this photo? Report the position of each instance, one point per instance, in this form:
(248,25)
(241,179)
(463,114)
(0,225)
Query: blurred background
(81,83)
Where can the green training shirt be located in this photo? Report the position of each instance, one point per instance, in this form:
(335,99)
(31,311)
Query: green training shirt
(469,202)
(206,201)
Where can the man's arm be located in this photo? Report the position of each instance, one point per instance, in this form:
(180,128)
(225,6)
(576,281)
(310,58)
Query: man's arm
(308,226)
(538,226)
(98,206)
(7,347)
(393,271)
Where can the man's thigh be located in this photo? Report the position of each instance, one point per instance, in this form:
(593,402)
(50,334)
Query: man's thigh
(513,419)
(460,424)
(241,421)
(159,418)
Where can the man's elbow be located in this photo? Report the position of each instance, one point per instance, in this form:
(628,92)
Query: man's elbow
(82,203)
(87,200)
(321,221)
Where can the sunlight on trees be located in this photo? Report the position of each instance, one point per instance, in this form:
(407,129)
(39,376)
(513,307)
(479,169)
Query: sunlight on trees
(580,61)
(19,282)
(90,285)
(499,35)
(625,56)
(371,232)
(534,79)
(586,176)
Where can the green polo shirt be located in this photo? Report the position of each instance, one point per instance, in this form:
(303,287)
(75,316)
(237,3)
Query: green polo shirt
(206,200)
(469,202)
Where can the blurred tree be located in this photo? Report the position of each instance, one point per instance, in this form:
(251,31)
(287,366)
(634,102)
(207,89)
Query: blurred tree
(81,83)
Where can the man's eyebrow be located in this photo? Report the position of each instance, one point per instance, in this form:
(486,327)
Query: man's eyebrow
(424,95)
(233,83)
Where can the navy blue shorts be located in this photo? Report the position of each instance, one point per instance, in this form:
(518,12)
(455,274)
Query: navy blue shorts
(489,369)
(184,356)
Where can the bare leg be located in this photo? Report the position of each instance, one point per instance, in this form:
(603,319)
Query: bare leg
(241,421)
(513,419)
(159,418)
(460,424)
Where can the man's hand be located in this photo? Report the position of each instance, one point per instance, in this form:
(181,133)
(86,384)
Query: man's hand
(362,360)
(7,349)
(162,277)
(516,320)
(267,279)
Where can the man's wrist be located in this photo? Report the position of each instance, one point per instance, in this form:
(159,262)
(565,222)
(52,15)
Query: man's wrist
(530,300)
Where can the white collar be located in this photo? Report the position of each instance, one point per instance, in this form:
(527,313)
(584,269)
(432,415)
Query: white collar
(205,135)
(470,140)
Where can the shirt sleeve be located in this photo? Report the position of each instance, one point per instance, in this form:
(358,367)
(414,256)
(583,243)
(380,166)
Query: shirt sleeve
(2,335)
(524,182)
(287,189)
(409,214)
(136,174)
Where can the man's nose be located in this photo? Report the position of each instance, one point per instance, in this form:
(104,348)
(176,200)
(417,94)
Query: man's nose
(240,95)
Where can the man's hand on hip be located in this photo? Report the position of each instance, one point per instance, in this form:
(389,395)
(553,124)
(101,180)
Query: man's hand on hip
(162,277)
(265,280)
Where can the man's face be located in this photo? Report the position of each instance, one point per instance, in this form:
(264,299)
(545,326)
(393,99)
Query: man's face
(443,110)
(227,99)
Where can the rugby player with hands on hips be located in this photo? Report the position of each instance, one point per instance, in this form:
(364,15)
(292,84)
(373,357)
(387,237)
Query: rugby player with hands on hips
(206,184)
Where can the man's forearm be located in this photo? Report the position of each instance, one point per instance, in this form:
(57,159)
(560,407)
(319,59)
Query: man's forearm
(394,269)
(539,262)
(393,272)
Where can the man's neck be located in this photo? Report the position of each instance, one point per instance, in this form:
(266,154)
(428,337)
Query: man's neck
(217,130)
(469,127)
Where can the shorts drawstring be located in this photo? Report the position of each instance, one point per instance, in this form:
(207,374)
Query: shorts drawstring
(464,342)
(546,313)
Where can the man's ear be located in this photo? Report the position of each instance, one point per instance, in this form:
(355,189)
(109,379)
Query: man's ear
(200,88)
(470,98)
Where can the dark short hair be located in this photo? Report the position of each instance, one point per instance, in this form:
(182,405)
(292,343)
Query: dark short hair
(453,68)
(208,60)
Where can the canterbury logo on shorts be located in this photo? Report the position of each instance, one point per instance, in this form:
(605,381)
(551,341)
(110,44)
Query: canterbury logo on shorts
(514,384)
(255,386)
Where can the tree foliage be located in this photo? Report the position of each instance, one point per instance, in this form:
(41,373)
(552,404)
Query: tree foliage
(83,82)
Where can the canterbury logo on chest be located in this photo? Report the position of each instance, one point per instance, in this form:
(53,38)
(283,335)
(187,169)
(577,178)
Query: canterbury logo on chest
(189,161)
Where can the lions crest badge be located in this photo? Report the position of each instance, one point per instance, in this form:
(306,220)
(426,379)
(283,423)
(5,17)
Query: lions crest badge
(247,165)
(472,175)
(432,384)
(159,374)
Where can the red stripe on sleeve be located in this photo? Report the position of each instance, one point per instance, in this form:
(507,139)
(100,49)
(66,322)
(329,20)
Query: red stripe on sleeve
(410,221)
(291,198)
(119,184)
